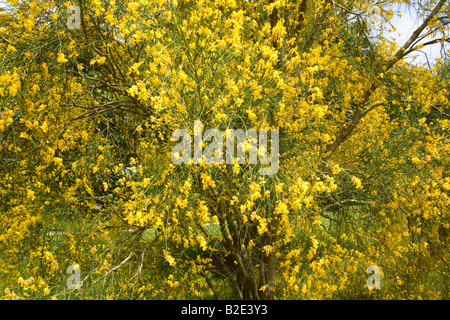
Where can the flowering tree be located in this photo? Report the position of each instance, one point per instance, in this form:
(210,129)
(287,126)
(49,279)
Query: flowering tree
(93,90)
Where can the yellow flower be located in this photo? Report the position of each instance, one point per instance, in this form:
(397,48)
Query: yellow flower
(281,209)
(133,6)
(357,182)
(262,226)
(170,259)
(415,160)
(220,116)
(101,60)
(203,242)
(110,19)
(10,48)
(57,161)
(182,203)
(44,127)
(35,88)
(279,187)
(30,195)
(257,93)
(251,114)
(61,58)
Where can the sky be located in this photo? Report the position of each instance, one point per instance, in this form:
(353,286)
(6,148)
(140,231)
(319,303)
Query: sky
(405,25)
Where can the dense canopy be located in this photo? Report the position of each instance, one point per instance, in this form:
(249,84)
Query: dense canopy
(92,91)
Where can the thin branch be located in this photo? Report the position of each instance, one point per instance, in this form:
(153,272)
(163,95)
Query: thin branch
(401,53)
